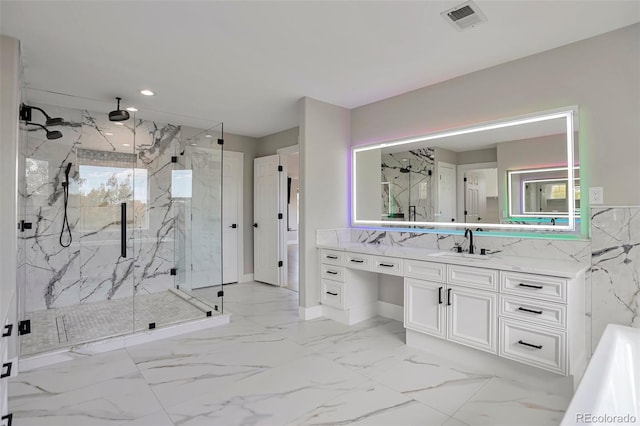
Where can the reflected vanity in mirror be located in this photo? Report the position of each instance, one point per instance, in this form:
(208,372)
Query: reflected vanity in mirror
(508,174)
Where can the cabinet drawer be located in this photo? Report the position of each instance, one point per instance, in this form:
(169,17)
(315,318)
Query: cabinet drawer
(332,257)
(468,276)
(422,270)
(333,273)
(532,285)
(332,294)
(538,346)
(387,265)
(532,310)
(358,261)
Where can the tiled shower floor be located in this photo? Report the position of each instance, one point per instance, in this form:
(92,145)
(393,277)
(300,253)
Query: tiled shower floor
(62,327)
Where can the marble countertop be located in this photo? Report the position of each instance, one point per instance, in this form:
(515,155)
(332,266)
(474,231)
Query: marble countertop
(494,261)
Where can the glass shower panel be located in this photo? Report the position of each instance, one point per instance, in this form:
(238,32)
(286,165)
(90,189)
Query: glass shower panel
(197,194)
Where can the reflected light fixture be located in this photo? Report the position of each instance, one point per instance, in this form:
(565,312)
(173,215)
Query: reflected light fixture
(132,109)
(147,92)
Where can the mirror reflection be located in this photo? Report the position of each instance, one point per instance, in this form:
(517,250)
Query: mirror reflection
(493,175)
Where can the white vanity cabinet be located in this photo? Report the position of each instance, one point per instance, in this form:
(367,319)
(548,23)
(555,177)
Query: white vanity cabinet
(490,305)
(541,322)
(461,307)
(348,290)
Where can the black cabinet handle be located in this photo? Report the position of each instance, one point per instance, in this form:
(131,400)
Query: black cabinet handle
(123,229)
(357,260)
(529,310)
(440,296)
(333,294)
(332,272)
(538,287)
(8,329)
(7,372)
(330,256)
(255,225)
(387,265)
(531,345)
(8,418)
(448,297)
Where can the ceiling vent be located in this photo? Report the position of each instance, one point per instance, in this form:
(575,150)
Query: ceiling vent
(464,16)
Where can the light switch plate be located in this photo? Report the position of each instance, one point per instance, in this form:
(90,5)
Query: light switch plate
(596,195)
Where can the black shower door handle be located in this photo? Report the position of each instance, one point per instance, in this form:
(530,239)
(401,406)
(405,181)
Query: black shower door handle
(123,229)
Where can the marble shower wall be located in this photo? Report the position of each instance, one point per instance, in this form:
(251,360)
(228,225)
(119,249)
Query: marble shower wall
(615,268)
(410,183)
(109,167)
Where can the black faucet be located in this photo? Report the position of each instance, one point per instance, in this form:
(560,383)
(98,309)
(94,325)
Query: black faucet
(469,233)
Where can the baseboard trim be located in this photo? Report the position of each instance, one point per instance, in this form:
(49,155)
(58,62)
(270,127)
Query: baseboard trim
(246,278)
(313,312)
(391,311)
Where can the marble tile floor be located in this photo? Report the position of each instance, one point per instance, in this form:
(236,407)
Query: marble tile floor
(62,327)
(267,367)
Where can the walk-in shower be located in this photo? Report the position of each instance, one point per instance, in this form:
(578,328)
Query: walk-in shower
(139,206)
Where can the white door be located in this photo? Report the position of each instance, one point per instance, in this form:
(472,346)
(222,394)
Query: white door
(446,192)
(204,248)
(266,227)
(231,214)
(424,306)
(471,318)
(471,192)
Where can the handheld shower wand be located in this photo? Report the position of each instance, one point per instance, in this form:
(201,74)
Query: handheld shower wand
(65,220)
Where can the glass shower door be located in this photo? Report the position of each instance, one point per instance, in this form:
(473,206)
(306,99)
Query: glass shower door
(105,165)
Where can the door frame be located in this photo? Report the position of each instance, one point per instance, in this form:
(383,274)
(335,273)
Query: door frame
(462,169)
(283,207)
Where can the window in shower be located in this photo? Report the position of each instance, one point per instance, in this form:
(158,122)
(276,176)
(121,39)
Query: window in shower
(37,176)
(103,188)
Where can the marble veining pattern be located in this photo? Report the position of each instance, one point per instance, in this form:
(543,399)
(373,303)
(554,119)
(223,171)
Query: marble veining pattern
(269,368)
(615,269)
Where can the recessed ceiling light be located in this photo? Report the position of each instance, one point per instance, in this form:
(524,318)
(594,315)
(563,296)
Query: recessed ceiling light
(119,124)
(132,109)
(147,92)
(108,134)
(126,144)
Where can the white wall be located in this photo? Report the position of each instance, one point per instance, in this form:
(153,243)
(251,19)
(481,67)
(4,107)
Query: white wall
(9,104)
(324,175)
(268,145)
(599,74)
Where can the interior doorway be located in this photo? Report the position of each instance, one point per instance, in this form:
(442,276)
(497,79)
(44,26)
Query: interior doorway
(290,158)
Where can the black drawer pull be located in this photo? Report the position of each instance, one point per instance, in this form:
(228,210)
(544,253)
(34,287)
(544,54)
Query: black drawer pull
(440,296)
(332,272)
(333,294)
(529,310)
(387,265)
(538,287)
(448,297)
(330,256)
(8,418)
(531,345)
(6,373)
(357,260)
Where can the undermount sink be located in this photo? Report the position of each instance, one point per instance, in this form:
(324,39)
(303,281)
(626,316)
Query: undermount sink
(455,255)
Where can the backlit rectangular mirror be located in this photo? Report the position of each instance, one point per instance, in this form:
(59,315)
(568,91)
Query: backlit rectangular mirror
(507,174)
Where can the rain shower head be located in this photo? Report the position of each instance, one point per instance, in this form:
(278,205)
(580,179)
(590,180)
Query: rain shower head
(25,114)
(51,134)
(118,114)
